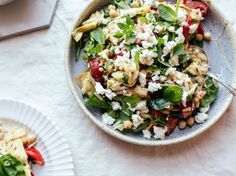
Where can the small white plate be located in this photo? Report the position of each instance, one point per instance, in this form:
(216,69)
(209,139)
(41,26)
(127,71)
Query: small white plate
(51,143)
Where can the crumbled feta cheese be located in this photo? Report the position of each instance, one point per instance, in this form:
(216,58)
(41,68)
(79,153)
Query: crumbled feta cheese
(204,109)
(156,75)
(159,29)
(142,79)
(163,78)
(141,106)
(201,117)
(184,96)
(168,47)
(148,38)
(137,120)
(193,28)
(182,17)
(116,105)
(146,57)
(170,70)
(129,12)
(107,92)
(153,87)
(147,134)
(103,54)
(171,29)
(159,132)
(180,37)
(108,120)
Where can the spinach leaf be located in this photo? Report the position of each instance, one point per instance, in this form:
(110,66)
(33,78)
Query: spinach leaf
(183,58)
(96,102)
(160,120)
(11,166)
(158,104)
(194,41)
(132,100)
(144,125)
(173,94)
(178,49)
(98,36)
(118,35)
(167,13)
(212,89)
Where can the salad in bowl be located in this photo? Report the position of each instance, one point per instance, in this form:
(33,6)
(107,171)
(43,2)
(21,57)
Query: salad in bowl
(147,70)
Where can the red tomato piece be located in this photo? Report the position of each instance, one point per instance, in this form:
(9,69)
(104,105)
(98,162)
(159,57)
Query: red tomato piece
(187,109)
(186,28)
(96,69)
(120,54)
(154,113)
(200,29)
(198,5)
(35,155)
(171,124)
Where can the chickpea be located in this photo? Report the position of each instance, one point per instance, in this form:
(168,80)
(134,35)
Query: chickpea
(199,37)
(207,36)
(182,124)
(190,121)
(128,124)
(113,13)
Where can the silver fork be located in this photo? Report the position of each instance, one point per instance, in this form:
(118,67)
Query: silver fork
(227,86)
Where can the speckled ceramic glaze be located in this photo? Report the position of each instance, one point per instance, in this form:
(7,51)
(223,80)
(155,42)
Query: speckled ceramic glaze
(221,53)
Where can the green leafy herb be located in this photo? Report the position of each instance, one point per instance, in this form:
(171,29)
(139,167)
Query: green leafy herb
(173,94)
(142,19)
(211,88)
(151,18)
(132,100)
(178,49)
(98,36)
(159,104)
(10,166)
(125,79)
(184,58)
(167,13)
(128,30)
(118,35)
(97,102)
(160,120)
(136,59)
(141,127)
(91,49)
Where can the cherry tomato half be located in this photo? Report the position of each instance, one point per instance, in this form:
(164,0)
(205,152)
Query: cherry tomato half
(35,155)
(198,5)
(96,69)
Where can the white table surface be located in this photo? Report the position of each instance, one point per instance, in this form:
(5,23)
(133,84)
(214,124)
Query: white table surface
(32,71)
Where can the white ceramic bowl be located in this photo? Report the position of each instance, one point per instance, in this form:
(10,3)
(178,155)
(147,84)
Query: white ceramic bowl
(4,2)
(222,60)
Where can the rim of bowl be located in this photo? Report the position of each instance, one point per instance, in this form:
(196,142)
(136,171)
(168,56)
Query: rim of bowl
(132,140)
